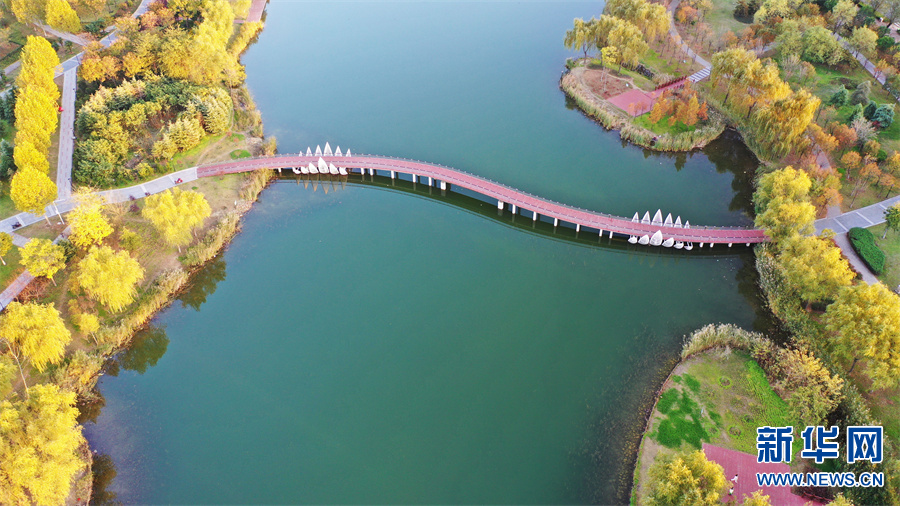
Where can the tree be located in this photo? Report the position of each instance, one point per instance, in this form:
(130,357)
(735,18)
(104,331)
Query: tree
(43,258)
(844,11)
(815,267)
(581,36)
(884,115)
(7,160)
(820,46)
(757,499)
(686,480)
(39,62)
(62,16)
(31,191)
(866,321)
(787,183)
(34,332)
(6,244)
(861,93)
(839,97)
(27,157)
(863,40)
(175,214)
(39,442)
(89,226)
(891,220)
(109,277)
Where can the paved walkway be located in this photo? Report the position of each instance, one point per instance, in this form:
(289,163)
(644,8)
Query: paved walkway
(863,217)
(256,11)
(673,5)
(66,136)
(71,37)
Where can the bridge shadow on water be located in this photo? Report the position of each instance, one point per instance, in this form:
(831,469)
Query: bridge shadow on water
(479,205)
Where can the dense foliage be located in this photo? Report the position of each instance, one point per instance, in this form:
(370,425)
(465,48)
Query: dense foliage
(863,243)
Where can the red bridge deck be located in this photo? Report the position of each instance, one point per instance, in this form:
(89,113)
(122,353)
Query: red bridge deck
(488,188)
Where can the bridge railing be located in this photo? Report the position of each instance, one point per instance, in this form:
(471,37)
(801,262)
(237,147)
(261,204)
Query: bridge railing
(476,176)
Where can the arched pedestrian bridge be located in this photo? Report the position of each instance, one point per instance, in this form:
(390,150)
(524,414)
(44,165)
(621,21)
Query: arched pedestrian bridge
(655,231)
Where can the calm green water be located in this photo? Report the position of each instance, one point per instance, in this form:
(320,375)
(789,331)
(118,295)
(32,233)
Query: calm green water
(375,345)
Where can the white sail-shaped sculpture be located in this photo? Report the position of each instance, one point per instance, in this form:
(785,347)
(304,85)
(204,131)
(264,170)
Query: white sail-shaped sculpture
(332,169)
(323,167)
(328,150)
(308,151)
(313,170)
(633,239)
(656,239)
(645,240)
(678,222)
(689,246)
(296,170)
(679,244)
(646,218)
(304,169)
(668,242)
(342,170)
(687,224)
(318,150)
(635,219)
(657,218)
(337,151)
(668,221)
(347,153)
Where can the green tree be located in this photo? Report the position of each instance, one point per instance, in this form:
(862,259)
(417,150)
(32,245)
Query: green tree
(863,40)
(34,332)
(43,258)
(690,479)
(820,46)
(39,443)
(840,97)
(175,213)
(109,277)
(843,12)
(6,244)
(891,219)
(866,322)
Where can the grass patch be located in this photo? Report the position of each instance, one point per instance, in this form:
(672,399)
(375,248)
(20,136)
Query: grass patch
(239,153)
(12,268)
(721,18)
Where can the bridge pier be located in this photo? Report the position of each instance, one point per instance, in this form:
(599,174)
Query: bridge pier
(577,228)
(701,244)
(534,216)
(443,186)
(514,209)
(729,245)
(414,178)
(555,222)
(610,234)
(600,233)
(393,175)
(429,180)
(499,205)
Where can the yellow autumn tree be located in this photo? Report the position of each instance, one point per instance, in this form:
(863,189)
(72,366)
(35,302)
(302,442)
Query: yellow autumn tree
(175,213)
(865,320)
(32,191)
(43,258)
(39,442)
(27,157)
(689,480)
(89,226)
(815,266)
(109,277)
(782,203)
(34,332)
(6,244)
(61,15)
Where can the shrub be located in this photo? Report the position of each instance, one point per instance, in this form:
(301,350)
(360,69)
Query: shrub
(864,244)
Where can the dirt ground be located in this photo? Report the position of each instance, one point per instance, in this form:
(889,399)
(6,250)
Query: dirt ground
(605,85)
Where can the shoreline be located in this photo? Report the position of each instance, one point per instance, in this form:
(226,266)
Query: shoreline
(610,118)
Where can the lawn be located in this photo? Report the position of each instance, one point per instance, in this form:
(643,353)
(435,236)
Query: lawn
(12,268)
(719,397)
(721,18)
(639,80)
(891,247)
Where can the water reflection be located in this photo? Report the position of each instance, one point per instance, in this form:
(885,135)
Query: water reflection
(104,472)
(203,283)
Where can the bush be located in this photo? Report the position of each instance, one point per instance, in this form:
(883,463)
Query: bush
(864,244)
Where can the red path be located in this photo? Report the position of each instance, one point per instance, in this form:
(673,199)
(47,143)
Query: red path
(505,194)
(745,467)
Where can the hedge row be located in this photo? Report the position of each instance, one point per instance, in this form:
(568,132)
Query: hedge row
(864,243)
